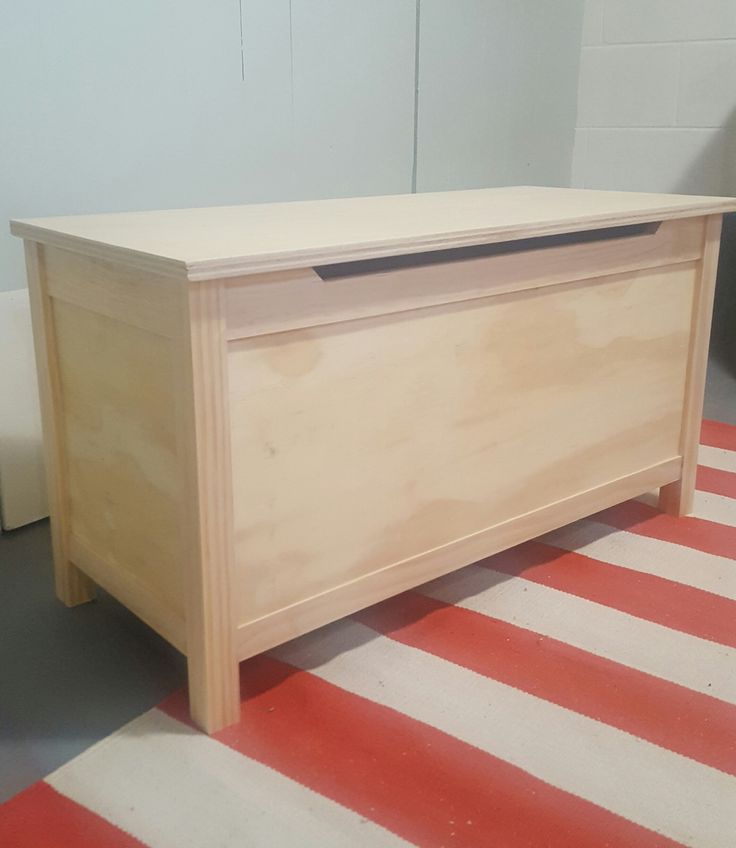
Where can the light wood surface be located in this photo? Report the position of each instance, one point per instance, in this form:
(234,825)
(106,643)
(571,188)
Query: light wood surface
(358,445)
(285,300)
(677,498)
(232,240)
(344,598)
(72,586)
(123,477)
(207,510)
(243,445)
(117,291)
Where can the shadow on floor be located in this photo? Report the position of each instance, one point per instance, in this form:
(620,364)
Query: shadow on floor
(68,677)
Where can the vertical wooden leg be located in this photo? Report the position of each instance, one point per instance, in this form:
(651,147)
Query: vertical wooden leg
(204,438)
(677,498)
(72,586)
(214,691)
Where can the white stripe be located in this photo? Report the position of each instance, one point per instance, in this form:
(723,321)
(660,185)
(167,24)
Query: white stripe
(656,788)
(718,508)
(689,566)
(711,507)
(172,787)
(698,664)
(717,458)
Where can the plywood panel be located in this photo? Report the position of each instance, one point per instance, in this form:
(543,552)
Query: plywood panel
(358,445)
(264,633)
(118,422)
(284,300)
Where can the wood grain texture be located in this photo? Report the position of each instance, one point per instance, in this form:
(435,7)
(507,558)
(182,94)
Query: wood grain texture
(207,510)
(285,300)
(358,445)
(72,586)
(342,599)
(123,292)
(123,479)
(677,498)
(234,240)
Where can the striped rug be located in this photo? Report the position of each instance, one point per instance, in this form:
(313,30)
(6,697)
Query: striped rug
(578,690)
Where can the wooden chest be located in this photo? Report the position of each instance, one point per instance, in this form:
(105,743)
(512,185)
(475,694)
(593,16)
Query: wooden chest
(261,418)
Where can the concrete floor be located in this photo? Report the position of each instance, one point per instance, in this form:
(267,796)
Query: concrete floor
(71,677)
(720,395)
(67,677)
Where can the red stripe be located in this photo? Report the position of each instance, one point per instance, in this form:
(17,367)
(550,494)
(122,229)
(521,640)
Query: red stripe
(718,435)
(664,713)
(717,481)
(684,608)
(424,785)
(40,817)
(647,520)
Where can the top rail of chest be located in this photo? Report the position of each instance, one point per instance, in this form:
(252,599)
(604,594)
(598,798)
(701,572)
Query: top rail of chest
(275,302)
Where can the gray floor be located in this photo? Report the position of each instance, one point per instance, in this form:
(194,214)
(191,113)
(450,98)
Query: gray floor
(720,395)
(67,677)
(70,677)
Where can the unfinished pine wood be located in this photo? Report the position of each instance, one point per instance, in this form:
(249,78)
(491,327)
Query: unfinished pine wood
(125,293)
(123,476)
(72,586)
(369,442)
(320,609)
(207,511)
(229,241)
(677,498)
(285,300)
(241,450)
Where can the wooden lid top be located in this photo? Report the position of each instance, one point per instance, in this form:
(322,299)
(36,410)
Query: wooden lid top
(229,241)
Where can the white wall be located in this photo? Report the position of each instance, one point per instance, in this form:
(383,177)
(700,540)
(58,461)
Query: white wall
(140,104)
(137,104)
(657,96)
(497,95)
(657,112)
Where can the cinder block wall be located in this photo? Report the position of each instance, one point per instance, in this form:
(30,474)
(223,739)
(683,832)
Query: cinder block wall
(657,112)
(657,96)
